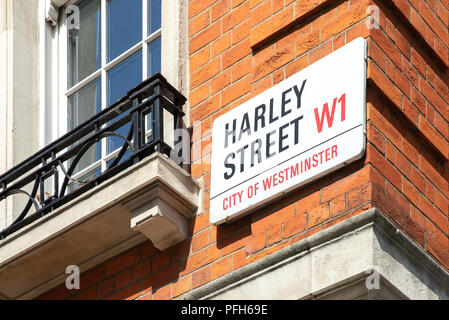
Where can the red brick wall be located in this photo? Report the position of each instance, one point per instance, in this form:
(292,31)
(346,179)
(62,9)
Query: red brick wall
(240,48)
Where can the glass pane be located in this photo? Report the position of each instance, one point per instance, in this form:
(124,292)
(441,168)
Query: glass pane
(121,79)
(154,14)
(154,57)
(84,44)
(85,178)
(82,105)
(124,26)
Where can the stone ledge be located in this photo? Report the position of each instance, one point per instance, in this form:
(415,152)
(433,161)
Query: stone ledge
(95,227)
(334,264)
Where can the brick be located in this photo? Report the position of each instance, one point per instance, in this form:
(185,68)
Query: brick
(240,32)
(123,261)
(199,23)
(200,58)
(147,249)
(260,224)
(163,293)
(180,251)
(376,138)
(274,234)
(159,279)
(200,259)
(305,6)
(260,13)
(296,66)
(129,293)
(434,215)
(403,164)
(197,6)
(410,192)
(375,53)
(221,44)
(435,24)
(220,9)
(295,225)
(271,25)
(437,244)
(385,85)
(241,68)
(256,242)
(201,277)
(206,108)
(261,254)
(235,54)
(272,63)
(238,259)
(431,135)
(88,294)
(92,276)
(320,52)
(318,215)
(307,41)
(338,205)
(105,287)
(261,86)
(220,81)
(403,43)
(402,82)
(205,37)
(345,184)
(160,261)
(347,19)
(236,90)
(122,279)
(390,152)
(410,112)
(384,167)
(205,73)
(236,3)
(142,269)
(418,62)
(415,225)
(359,196)
(235,17)
(200,240)
(199,94)
(181,286)
(441,202)
(410,72)
(221,267)
(277,5)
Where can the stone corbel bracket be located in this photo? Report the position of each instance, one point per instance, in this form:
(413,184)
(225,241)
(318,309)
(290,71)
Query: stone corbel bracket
(51,13)
(160,211)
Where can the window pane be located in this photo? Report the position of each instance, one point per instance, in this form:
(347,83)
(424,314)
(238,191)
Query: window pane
(85,178)
(83,105)
(154,14)
(124,26)
(121,79)
(84,45)
(154,57)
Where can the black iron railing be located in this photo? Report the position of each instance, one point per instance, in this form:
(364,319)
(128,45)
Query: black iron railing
(57,162)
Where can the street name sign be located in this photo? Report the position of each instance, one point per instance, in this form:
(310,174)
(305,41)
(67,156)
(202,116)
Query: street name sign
(298,131)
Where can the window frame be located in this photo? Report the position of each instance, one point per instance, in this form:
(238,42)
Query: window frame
(101,73)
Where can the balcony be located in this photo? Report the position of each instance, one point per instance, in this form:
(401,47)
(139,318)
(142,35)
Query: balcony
(141,191)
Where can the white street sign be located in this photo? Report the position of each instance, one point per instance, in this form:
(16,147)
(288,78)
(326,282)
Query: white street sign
(303,128)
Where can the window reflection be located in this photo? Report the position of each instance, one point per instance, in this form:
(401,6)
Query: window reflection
(124,26)
(84,45)
(121,79)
